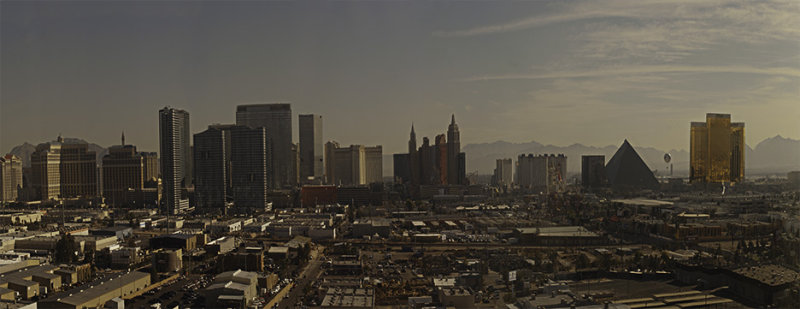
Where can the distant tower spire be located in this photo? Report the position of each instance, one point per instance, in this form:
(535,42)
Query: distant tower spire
(123,138)
(412,141)
(59,138)
(453,152)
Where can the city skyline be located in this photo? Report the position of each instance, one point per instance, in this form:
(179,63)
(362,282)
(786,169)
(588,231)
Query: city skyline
(553,65)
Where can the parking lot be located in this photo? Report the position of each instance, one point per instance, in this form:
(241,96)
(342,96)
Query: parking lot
(182,292)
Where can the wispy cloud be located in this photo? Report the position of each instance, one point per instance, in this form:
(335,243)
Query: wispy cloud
(769,18)
(639,70)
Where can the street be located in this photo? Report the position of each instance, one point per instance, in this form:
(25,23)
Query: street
(304,280)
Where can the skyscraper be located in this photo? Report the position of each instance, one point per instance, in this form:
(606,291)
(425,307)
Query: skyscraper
(453,151)
(717,150)
(593,170)
(543,173)
(402,168)
(123,169)
(427,163)
(250,164)
(78,171)
(46,171)
(311,148)
(10,177)
(174,147)
(373,160)
(441,159)
(151,168)
(353,165)
(413,158)
(277,119)
(211,169)
(503,172)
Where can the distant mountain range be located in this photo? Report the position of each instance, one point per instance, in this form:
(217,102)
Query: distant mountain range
(772,155)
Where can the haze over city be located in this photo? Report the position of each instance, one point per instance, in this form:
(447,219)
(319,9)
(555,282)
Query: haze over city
(257,154)
(554,72)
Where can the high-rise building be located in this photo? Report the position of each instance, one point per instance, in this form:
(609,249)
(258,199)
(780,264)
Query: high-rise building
(353,165)
(226,130)
(123,169)
(277,119)
(78,171)
(427,163)
(453,151)
(211,159)
(543,173)
(402,168)
(174,148)
(151,169)
(294,165)
(250,163)
(413,158)
(593,171)
(717,150)
(441,159)
(10,177)
(737,151)
(373,159)
(46,171)
(311,148)
(462,169)
(503,173)
(330,172)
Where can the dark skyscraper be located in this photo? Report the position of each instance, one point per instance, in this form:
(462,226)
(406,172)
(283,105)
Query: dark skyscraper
(277,119)
(413,158)
(311,148)
(593,171)
(402,169)
(123,170)
(453,151)
(427,163)
(174,147)
(250,164)
(440,148)
(211,169)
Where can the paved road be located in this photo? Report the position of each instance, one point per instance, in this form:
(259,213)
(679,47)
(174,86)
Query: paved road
(304,280)
(160,297)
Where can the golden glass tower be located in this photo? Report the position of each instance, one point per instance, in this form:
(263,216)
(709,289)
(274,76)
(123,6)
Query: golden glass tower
(717,150)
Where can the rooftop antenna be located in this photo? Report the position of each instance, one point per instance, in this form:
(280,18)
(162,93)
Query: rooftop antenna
(123,138)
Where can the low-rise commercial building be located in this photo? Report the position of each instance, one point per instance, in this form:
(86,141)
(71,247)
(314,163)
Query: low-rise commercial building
(237,288)
(166,260)
(559,236)
(97,296)
(187,242)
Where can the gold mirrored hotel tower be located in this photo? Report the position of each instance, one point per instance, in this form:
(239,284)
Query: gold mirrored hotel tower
(717,150)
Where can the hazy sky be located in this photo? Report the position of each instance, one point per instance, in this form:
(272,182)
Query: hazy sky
(563,72)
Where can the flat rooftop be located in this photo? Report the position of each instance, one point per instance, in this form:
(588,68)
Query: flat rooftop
(104,288)
(642,202)
(558,231)
(772,275)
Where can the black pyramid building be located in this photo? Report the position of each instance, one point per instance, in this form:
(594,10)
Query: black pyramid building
(627,169)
